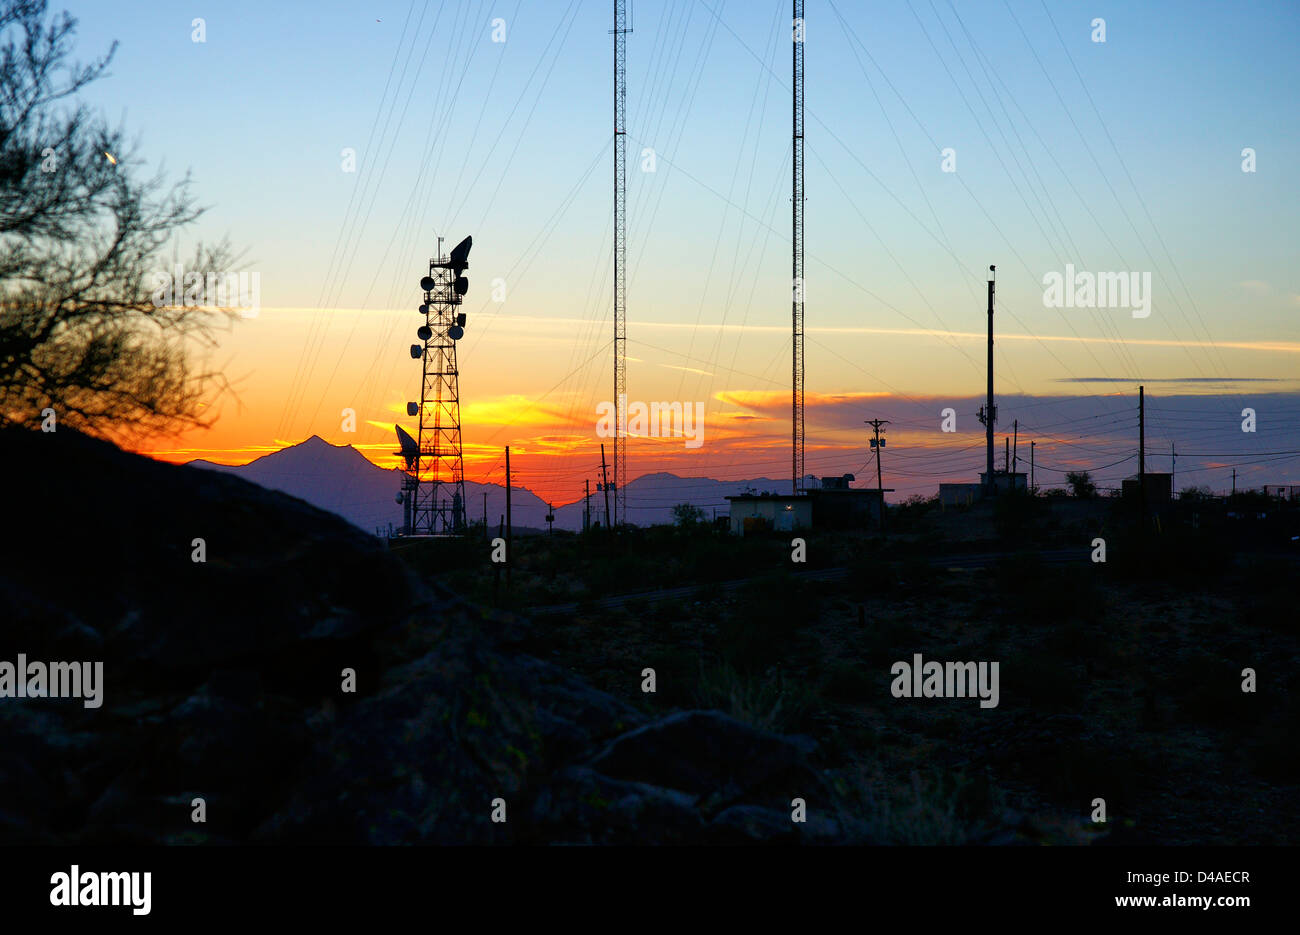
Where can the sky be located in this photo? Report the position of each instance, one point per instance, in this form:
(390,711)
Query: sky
(1117,156)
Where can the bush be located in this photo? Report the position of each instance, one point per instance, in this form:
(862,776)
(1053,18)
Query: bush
(1081,484)
(770,701)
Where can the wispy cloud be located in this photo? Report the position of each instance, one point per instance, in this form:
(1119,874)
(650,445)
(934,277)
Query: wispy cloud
(1286,347)
(773,399)
(703,373)
(1171,380)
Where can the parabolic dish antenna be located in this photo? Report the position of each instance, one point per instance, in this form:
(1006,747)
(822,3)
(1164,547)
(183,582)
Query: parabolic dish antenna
(410,448)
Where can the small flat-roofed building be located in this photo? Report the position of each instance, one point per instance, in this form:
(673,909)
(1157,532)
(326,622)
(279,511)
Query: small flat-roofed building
(1159,488)
(960,494)
(1007,481)
(968,494)
(836,505)
(768,511)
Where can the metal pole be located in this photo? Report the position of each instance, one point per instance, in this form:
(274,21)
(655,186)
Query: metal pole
(510,529)
(1142,452)
(880,484)
(797,249)
(620,257)
(989,414)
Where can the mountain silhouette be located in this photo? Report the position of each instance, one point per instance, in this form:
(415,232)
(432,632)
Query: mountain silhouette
(340,479)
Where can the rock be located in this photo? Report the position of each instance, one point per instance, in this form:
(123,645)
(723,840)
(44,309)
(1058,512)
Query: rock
(714,757)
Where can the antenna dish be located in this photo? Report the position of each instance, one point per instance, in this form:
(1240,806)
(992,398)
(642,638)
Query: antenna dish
(424,309)
(398,498)
(459,259)
(455,332)
(425,332)
(462,285)
(412,408)
(460,254)
(416,351)
(410,448)
(426,283)
(460,319)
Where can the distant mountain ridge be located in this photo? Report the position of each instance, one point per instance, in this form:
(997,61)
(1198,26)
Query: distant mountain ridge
(338,478)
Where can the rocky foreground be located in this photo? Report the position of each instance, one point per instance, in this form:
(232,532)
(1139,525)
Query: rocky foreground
(223,681)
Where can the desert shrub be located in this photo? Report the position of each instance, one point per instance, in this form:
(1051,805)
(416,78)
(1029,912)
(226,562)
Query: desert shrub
(768,701)
(933,807)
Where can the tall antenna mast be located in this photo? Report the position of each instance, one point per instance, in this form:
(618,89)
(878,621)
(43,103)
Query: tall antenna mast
(796,200)
(989,411)
(433,492)
(620,259)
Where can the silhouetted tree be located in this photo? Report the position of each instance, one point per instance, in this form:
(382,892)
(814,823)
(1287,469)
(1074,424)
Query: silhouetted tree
(79,237)
(1081,484)
(687,516)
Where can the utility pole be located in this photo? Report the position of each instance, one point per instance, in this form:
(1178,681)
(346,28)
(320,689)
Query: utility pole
(1006,456)
(510,529)
(796,251)
(620,257)
(877,443)
(1032,488)
(586,506)
(988,412)
(1015,445)
(550,519)
(605,486)
(1142,453)
(1234,482)
(1173,468)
